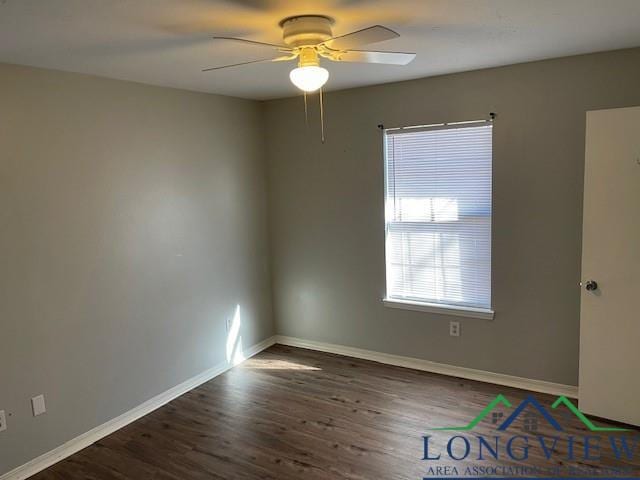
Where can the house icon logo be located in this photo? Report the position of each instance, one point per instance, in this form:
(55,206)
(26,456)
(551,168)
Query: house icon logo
(533,412)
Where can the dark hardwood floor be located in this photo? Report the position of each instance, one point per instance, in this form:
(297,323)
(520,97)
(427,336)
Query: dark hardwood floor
(290,413)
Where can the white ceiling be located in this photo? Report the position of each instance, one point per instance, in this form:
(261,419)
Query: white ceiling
(166,42)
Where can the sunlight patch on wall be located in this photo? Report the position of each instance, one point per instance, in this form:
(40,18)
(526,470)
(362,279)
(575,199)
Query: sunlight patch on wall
(235,355)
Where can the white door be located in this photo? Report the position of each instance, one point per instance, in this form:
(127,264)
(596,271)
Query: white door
(610,314)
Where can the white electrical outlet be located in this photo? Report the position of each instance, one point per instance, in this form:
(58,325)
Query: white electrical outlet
(454,329)
(38,405)
(3,421)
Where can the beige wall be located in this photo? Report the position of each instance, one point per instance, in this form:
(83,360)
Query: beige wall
(327,221)
(132,223)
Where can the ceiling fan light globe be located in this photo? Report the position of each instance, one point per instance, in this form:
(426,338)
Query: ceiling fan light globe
(309,78)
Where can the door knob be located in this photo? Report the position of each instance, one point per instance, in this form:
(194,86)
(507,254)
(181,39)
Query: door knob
(590,285)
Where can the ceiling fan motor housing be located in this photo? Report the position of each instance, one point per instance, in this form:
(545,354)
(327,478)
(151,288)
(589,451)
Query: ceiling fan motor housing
(306,30)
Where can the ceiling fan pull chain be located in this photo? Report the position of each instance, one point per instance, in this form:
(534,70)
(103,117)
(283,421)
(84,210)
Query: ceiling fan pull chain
(321,116)
(306,117)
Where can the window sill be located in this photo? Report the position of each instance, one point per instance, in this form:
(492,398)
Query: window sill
(459,311)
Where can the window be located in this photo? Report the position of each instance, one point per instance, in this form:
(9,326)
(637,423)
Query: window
(438,216)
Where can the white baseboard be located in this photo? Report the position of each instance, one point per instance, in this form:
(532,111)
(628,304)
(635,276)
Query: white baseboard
(75,445)
(434,367)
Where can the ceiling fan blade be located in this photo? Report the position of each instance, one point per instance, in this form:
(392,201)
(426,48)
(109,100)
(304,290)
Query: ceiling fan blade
(374,34)
(364,56)
(277,59)
(252,42)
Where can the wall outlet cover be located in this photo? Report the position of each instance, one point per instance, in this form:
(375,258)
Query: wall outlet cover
(38,405)
(3,421)
(454,329)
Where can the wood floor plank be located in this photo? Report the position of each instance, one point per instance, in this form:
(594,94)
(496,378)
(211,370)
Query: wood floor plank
(291,413)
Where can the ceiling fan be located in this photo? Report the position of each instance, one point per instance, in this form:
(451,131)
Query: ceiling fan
(309,38)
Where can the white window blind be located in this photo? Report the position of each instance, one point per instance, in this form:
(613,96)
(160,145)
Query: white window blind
(438,214)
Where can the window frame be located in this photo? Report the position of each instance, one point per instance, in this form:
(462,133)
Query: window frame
(417,304)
